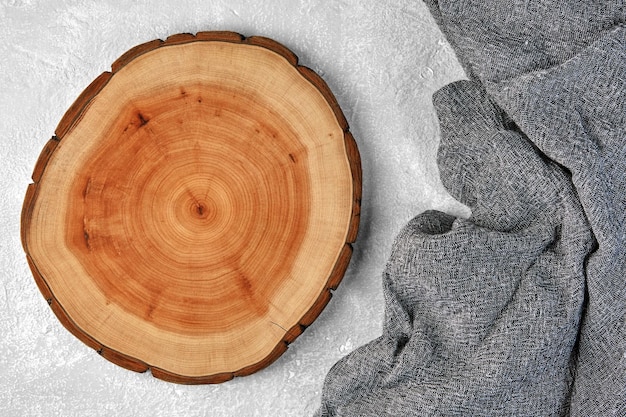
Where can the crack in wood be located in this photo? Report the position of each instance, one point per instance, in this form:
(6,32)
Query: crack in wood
(142,119)
(274,323)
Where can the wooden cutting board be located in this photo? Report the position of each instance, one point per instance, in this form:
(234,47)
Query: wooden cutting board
(195,207)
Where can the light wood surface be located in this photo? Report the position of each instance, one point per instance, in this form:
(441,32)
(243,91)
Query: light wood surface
(195,207)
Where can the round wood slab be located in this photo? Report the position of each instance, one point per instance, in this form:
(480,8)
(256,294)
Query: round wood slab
(195,207)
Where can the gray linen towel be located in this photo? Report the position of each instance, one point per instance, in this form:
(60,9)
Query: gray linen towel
(519,310)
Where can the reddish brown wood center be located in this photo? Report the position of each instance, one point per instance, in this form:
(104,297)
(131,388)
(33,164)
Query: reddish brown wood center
(176,220)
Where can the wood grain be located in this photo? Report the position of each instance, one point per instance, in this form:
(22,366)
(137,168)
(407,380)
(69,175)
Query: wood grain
(196,207)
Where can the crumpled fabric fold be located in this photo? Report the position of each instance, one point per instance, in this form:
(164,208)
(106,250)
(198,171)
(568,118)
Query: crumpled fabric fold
(519,310)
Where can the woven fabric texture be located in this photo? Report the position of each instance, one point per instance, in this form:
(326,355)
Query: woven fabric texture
(519,310)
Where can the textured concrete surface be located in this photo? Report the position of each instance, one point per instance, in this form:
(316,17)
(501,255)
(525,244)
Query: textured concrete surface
(382,60)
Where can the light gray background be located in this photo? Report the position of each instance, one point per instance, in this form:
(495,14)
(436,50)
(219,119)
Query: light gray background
(383,60)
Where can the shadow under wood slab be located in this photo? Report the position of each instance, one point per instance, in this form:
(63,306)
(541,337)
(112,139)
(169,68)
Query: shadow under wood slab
(195,207)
